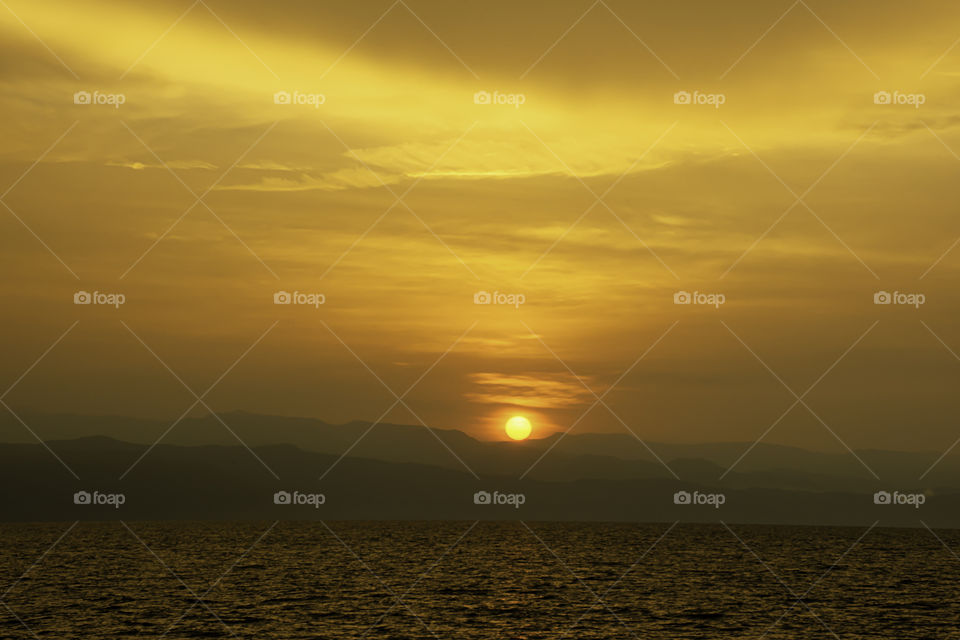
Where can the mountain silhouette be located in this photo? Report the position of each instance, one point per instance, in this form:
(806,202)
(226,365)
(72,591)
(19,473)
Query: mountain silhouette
(201,471)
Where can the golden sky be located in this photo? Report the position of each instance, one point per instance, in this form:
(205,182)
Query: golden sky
(400,197)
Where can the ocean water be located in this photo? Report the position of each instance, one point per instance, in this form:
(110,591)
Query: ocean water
(483,580)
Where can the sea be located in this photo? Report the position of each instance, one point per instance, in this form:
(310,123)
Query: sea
(464,580)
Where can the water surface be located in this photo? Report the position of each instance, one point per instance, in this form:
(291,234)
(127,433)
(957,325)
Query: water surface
(482,581)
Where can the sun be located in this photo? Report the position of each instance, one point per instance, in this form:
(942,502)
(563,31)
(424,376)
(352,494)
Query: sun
(518,428)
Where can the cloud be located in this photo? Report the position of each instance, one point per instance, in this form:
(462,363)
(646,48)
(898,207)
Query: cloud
(539,390)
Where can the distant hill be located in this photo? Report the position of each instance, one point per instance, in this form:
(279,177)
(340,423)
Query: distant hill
(576,456)
(228,483)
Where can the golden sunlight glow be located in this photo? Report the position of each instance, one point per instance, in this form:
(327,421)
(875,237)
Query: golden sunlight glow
(518,428)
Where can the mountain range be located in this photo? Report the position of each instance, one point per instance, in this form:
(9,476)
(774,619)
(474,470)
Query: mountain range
(230,466)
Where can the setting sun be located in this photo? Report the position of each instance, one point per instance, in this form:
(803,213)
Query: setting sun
(518,428)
